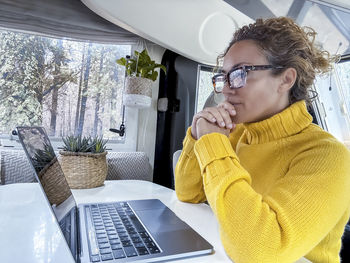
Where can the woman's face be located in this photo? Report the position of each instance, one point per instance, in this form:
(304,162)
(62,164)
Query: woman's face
(261,96)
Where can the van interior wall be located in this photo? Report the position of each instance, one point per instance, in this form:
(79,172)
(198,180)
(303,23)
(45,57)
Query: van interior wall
(179,87)
(187,72)
(147,118)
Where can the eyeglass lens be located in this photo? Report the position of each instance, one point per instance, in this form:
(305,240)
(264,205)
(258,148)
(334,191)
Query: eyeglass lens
(219,82)
(237,79)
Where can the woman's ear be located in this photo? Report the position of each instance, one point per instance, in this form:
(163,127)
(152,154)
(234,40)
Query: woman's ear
(288,78)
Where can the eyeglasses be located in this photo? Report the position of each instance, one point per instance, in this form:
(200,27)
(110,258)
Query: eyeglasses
(237,77)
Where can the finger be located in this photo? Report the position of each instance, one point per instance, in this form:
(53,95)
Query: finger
(226,118)
(204,127)
(229,107)
(207,115)
(222,116)
(217,115)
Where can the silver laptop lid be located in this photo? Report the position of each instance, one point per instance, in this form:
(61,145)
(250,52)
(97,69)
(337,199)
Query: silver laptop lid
(49,174)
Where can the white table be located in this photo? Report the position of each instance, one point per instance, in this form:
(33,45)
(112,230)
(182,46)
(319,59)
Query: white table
(28,232)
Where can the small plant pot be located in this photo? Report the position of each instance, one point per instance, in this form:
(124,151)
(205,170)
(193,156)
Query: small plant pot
(138,92)
(84,170)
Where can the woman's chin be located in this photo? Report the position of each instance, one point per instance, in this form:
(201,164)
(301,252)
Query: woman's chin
(237,119)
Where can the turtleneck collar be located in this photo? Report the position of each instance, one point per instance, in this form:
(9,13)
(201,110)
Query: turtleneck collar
(290,121)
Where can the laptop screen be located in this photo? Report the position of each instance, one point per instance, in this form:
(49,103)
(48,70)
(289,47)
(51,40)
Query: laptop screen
(48,171)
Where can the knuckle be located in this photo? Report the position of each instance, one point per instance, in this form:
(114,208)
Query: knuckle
(223,104)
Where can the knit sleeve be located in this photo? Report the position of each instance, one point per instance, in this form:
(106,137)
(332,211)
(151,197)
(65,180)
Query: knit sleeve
(188,179)
(284,225)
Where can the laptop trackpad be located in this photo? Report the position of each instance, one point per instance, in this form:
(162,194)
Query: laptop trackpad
(161,220)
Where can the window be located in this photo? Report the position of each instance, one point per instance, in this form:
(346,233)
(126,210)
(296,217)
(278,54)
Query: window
(279,8)
(322,16)
(69,87)
(328,35)
(343,70)
(334,96)
(205,88)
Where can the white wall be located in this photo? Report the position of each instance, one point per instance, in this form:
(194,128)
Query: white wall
(147,118)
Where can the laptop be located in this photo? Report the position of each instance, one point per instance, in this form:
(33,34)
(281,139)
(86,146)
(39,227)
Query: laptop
(127,231)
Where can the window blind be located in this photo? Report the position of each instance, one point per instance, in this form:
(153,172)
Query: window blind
(61,18)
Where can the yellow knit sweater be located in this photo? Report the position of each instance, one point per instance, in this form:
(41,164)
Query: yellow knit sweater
(280,188)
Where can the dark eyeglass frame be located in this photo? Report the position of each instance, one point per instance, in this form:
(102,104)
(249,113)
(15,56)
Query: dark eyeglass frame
(245,70)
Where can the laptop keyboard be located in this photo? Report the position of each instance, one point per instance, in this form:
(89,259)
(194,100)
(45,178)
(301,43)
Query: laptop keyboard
(118,233)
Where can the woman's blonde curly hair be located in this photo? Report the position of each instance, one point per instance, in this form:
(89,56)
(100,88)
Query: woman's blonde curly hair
(284,43)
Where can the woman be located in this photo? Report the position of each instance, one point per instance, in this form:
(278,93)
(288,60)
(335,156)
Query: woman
(278,184)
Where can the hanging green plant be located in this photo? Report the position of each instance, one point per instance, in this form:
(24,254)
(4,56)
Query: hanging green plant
(141,65)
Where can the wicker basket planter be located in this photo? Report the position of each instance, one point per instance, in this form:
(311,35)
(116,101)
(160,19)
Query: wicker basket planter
(54,184)
(138,85)
(138,92)
(84,169)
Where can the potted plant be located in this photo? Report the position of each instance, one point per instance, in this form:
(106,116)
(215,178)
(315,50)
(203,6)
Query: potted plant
(83,160)
(141,72)
(50,175)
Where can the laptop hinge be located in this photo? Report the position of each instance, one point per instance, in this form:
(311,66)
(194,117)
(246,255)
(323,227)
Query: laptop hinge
(78,233)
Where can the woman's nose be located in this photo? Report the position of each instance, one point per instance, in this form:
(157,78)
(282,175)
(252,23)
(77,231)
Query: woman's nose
(227,90)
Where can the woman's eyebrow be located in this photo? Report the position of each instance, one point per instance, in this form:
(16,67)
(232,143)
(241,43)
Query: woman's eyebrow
(235,66)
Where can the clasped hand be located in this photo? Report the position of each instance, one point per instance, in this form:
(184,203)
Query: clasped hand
(214,119)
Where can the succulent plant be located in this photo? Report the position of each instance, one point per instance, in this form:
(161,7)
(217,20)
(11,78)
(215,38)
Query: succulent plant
(84,144)
(76,144)
(98,145)
(43,157)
